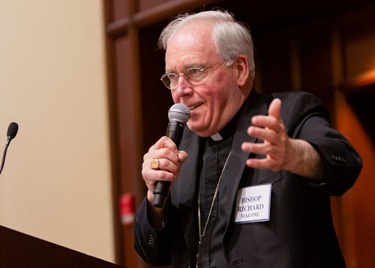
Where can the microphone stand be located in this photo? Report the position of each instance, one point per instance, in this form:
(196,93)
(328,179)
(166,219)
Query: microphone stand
(4,154)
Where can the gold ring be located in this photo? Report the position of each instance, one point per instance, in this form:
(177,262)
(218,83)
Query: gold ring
(154,163)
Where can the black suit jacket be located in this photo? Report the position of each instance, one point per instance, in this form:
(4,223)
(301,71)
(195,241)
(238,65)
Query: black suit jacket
(300,231)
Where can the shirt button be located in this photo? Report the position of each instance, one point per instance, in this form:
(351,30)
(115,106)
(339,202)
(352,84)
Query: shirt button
(151,241)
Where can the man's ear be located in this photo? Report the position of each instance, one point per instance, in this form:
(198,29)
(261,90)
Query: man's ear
(243,70)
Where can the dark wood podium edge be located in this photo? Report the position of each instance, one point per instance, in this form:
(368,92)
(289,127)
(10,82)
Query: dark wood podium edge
(21,250)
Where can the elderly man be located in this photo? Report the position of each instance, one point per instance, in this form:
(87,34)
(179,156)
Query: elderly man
(253,176)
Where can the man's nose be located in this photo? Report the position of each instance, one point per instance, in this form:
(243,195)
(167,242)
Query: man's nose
(183,86)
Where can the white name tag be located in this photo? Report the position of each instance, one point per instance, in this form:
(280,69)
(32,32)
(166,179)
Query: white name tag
(253,204)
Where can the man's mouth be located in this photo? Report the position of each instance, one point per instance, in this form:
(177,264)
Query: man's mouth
(192,107)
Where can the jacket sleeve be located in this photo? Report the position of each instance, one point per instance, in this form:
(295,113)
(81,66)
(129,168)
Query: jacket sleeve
(306,117)
(152,245)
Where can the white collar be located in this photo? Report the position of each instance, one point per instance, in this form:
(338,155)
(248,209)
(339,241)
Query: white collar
(217,137)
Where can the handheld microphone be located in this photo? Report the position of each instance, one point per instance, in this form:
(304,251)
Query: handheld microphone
(12,132)
(178,116)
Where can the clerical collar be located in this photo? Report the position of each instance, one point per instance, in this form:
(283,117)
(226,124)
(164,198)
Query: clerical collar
(216,137)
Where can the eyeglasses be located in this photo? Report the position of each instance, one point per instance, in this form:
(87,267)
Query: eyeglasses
(193,75)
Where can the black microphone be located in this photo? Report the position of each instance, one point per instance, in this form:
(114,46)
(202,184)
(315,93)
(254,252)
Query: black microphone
(12,132)
(178,116)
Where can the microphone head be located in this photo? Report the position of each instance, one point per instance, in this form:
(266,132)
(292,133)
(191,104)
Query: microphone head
(179,113)
(12,130)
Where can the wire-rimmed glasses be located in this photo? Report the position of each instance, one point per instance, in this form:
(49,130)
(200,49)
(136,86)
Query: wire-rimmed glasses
(193,75)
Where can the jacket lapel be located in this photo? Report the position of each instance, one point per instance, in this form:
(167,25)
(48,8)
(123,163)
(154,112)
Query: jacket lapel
(185,197)
(237,161)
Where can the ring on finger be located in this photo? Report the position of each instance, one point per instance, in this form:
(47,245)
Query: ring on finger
(154,163)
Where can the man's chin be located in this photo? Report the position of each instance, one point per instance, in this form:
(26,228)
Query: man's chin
(200,132)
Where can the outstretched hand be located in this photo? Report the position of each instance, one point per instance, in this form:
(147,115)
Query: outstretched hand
(277,146)
(281,151)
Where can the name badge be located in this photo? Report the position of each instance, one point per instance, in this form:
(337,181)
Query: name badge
(253,204)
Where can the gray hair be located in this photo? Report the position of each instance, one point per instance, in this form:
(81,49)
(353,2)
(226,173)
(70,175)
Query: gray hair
(231,37)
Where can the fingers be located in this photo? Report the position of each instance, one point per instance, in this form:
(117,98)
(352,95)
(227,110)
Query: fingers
(182,155)
(275,109)
(162,162)
(262,163)
(271,121)
(164,143)
(264,133)
(274,156)
(271,130)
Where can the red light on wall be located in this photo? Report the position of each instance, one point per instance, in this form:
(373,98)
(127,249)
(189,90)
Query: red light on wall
(127,208)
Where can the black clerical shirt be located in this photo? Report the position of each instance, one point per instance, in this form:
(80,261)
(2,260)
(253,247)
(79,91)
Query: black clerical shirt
(214,155)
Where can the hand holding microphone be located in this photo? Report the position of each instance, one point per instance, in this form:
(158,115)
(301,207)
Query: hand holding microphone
(178,116)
